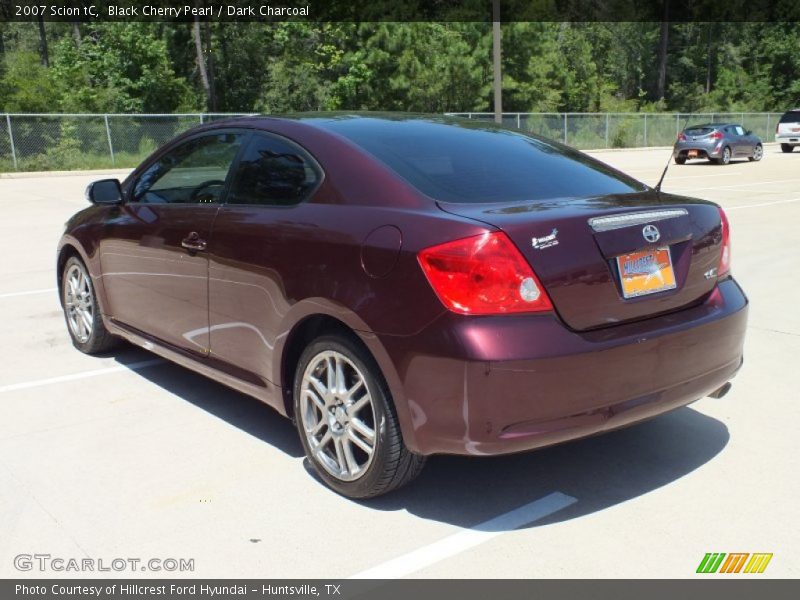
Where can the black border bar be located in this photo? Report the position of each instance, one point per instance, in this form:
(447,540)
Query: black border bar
(711,587)
(401,10)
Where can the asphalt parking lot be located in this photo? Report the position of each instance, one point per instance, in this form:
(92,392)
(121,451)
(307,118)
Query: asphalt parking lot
(127,456)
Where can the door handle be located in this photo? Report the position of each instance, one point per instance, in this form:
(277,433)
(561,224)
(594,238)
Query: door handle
(193,242)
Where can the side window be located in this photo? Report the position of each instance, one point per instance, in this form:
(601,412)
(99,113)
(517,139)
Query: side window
(192,173)
(739,130)
(273,171)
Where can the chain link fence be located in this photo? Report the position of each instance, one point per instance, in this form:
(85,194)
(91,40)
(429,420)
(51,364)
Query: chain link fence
(43,142)
(591,131)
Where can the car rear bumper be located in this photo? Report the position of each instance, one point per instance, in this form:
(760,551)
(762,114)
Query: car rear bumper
(507,384)
(792,140)
(703,150)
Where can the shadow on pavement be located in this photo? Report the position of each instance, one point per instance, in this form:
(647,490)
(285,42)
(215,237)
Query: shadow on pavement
(599,472)
(247,414)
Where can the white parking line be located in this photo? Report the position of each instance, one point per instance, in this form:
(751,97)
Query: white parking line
(469,538)
(28,293)
(735,186)
(762,204)
(671,177)
(136,366)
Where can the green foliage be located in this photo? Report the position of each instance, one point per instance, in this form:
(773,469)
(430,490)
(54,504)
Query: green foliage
(426,67)
(26,85)
(118,67)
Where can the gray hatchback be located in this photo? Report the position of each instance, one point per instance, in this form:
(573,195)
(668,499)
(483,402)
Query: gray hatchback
(717,142)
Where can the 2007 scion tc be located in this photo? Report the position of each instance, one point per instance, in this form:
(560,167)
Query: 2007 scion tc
(403,286)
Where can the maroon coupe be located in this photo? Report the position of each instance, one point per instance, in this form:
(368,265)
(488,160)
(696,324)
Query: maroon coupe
(403,286)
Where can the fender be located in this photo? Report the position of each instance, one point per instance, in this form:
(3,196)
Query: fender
(311,307)
(92,262)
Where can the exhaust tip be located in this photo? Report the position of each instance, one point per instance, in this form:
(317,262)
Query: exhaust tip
(720,392)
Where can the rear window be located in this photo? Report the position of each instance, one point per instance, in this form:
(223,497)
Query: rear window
(696,131)
(791,117)
(474,162)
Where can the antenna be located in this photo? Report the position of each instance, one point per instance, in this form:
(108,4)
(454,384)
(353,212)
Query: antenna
(669,160)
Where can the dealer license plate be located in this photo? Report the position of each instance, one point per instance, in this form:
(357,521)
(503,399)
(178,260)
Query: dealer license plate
(646,272)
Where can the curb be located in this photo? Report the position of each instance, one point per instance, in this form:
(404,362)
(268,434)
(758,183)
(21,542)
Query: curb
(645,148)
(28,174)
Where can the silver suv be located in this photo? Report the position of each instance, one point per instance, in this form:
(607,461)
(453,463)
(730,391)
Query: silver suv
(787,133)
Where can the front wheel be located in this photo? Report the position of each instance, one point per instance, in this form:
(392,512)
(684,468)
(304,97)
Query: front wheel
(758,153)
(786,148)
(82,311)
(346,420)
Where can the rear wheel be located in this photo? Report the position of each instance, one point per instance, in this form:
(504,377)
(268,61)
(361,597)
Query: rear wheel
(758,153)
(787,147)
(82,311)
(347,422)
(725,158)
(680,160)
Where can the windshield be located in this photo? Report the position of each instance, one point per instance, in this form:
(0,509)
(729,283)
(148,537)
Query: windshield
(791,117)
(473,162)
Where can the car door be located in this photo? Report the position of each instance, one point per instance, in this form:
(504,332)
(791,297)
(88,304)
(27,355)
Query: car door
(257,244)
(751,140)
(154,254)
(744,147)
(731,140)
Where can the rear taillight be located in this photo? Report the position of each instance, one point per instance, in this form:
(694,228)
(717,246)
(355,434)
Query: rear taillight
(717,135)
(483,275)
(681,137)
(725,257)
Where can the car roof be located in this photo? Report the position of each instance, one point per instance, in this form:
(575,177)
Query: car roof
(325,120)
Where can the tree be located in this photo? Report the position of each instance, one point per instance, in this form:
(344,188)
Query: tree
(43,50)
(27,85)
(413,66)
(119,67)
(663,45)
(202,66)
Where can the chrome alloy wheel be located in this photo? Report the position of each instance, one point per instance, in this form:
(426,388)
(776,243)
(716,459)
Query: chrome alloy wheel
(78,303)
(337,415)
(758,153)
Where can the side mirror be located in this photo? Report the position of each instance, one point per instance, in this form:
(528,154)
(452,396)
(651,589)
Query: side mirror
(105,191)
(748,132)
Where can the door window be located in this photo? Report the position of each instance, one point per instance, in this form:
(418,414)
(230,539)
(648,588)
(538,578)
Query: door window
(275,172)
(739,130)
(193,173)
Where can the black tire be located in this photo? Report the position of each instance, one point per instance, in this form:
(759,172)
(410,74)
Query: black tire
(680,160)
(98,339)
(725,158)
(758,153)
(786,148)
(392,465)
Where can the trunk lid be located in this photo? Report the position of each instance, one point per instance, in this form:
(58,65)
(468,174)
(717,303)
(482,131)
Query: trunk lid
(573,245)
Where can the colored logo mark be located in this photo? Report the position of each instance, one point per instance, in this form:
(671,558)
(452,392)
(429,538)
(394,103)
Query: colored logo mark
(735,562)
